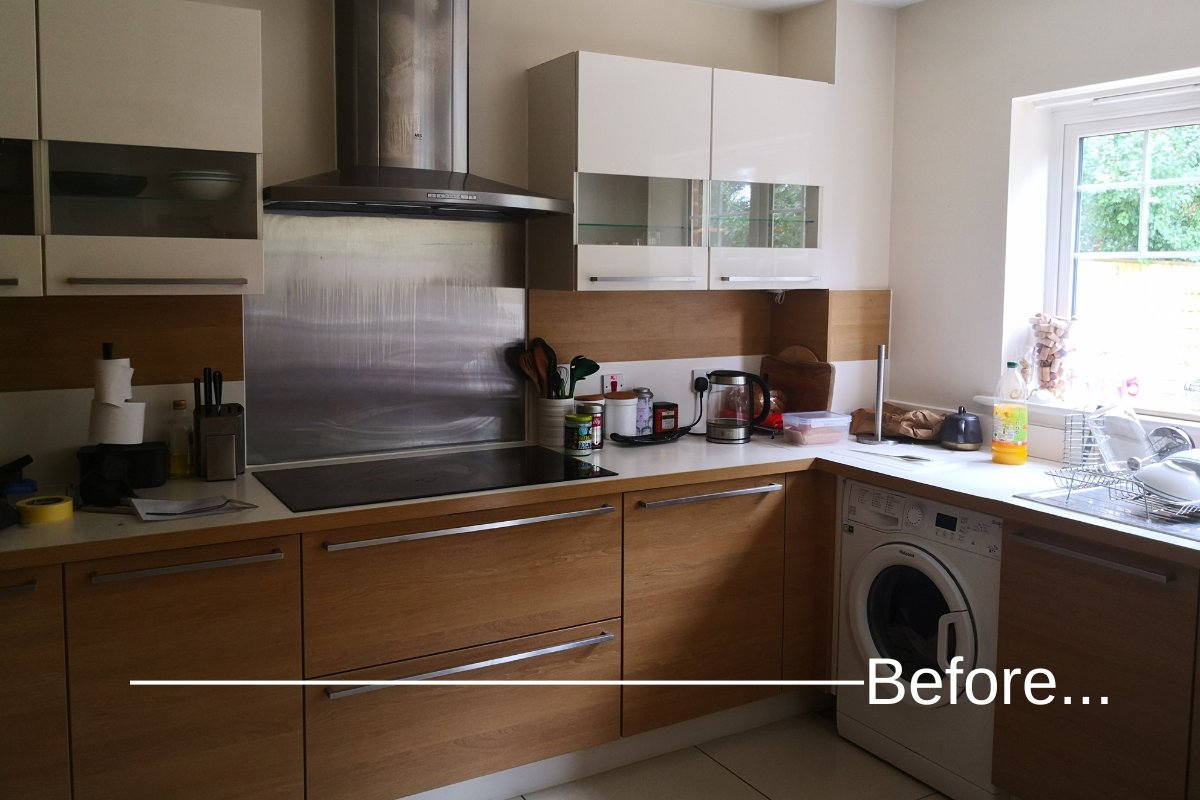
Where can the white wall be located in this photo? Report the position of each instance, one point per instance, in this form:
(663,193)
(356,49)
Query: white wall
(959,64)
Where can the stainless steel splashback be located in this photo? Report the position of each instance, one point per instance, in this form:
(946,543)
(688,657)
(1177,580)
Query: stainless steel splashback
(380,333)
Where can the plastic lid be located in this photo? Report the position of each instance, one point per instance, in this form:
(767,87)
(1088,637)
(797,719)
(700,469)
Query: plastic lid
(578,419)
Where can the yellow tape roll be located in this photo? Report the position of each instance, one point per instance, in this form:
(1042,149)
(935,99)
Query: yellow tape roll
(47,508)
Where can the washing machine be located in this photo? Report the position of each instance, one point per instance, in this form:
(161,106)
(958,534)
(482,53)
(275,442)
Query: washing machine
(919,583)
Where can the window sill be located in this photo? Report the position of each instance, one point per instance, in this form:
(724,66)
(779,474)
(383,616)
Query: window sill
(1052,416)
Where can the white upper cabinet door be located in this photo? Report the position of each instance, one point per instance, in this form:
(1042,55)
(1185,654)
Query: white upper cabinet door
(768,129)
(18,70)
(162,73)
(639,117)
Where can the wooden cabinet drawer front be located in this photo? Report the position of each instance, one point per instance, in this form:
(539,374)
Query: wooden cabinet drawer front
(394,741)
(33,691)
(703,596)
(1107,624)
(393,600)
(228,611)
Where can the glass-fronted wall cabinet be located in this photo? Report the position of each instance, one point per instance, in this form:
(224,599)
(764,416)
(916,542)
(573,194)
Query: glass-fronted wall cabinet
(20,247)
(627,139)
(683,177)
(131,159)
(772,146)
(748,218)
(121,190)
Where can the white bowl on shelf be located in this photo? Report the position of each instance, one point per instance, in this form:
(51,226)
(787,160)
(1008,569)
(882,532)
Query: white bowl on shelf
(206,184)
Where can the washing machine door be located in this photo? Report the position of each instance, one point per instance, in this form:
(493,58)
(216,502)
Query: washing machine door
(905,605)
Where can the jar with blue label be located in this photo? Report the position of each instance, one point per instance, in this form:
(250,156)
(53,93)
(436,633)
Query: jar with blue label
(577,434)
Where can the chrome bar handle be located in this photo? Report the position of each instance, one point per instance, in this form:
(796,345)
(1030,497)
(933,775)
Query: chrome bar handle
(158,281)
(642,279)
(774,279)
(698,498)
(485,526)
(603,637)
(20,588)
(10,281)
(1066,552)
(112,577)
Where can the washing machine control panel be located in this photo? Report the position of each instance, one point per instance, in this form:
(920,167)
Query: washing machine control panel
(894,512)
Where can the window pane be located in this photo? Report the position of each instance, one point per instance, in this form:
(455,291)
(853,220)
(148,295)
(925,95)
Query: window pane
(1114,158)
(1175,152)
(1108,221)
(1175,218)
(1111,360)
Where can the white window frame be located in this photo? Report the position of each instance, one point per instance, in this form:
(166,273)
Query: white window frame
(1094,117)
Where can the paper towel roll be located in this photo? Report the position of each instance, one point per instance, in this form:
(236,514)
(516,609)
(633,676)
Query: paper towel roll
(116,423)
(113,379)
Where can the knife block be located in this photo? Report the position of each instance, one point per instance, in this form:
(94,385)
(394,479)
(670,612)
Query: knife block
(220,442)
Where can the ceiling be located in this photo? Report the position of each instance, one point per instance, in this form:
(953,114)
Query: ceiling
(787,5)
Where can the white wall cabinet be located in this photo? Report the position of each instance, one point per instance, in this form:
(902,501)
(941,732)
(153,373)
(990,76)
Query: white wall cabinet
(20,247)
(772,140)
(628,140)
(683,177)
(147,169)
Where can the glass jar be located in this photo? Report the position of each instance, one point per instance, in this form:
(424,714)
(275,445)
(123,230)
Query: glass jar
(645,411)
(577,434)
(596,410)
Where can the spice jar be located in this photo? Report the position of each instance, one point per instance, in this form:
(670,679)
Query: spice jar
(645,411)
(666,417)
(577,434)
(596,410)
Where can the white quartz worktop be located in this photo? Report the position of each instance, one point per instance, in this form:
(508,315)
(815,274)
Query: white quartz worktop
(971,474)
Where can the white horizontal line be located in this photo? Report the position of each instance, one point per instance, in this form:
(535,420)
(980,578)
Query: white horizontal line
(439,682)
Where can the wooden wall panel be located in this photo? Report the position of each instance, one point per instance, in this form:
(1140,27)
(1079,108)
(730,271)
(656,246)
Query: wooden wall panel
(858,323)
(641,326)
(802,318)
(50,342)
(836,325)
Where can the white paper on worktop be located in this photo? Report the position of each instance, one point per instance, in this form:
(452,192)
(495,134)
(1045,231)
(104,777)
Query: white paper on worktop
(160,510)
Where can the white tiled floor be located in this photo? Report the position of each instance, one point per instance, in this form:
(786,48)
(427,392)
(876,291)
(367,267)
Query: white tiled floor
(796,759)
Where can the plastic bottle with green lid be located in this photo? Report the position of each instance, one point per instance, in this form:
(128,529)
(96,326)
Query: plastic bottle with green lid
(1010,418)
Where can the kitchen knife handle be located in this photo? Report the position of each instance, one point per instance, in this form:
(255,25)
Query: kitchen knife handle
(78,281)
(208,387)
(218,384)
(642,279)
(699,498)
(1098,561)
(602,638)
(20,588)
(486,526)
(113,577)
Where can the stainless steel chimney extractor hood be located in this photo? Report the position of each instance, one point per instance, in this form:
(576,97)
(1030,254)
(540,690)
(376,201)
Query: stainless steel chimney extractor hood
(401,68)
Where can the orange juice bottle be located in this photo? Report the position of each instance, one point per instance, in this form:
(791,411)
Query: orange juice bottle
(1010,419)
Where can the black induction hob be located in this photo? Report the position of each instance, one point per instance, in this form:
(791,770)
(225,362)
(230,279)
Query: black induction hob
(388,480)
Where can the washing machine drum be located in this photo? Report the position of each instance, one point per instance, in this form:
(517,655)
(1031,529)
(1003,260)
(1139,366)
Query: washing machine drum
(905,605)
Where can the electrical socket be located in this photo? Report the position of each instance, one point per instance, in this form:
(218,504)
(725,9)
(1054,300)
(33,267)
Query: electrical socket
(697,373)
(611,382)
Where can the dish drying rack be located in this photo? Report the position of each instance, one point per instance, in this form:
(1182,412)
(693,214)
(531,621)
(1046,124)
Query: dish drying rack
(1084,467)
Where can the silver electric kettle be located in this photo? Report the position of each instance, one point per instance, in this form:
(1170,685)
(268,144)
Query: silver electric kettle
(731,400)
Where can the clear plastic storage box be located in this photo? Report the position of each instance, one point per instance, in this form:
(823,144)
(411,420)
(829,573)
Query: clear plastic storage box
(815,427)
